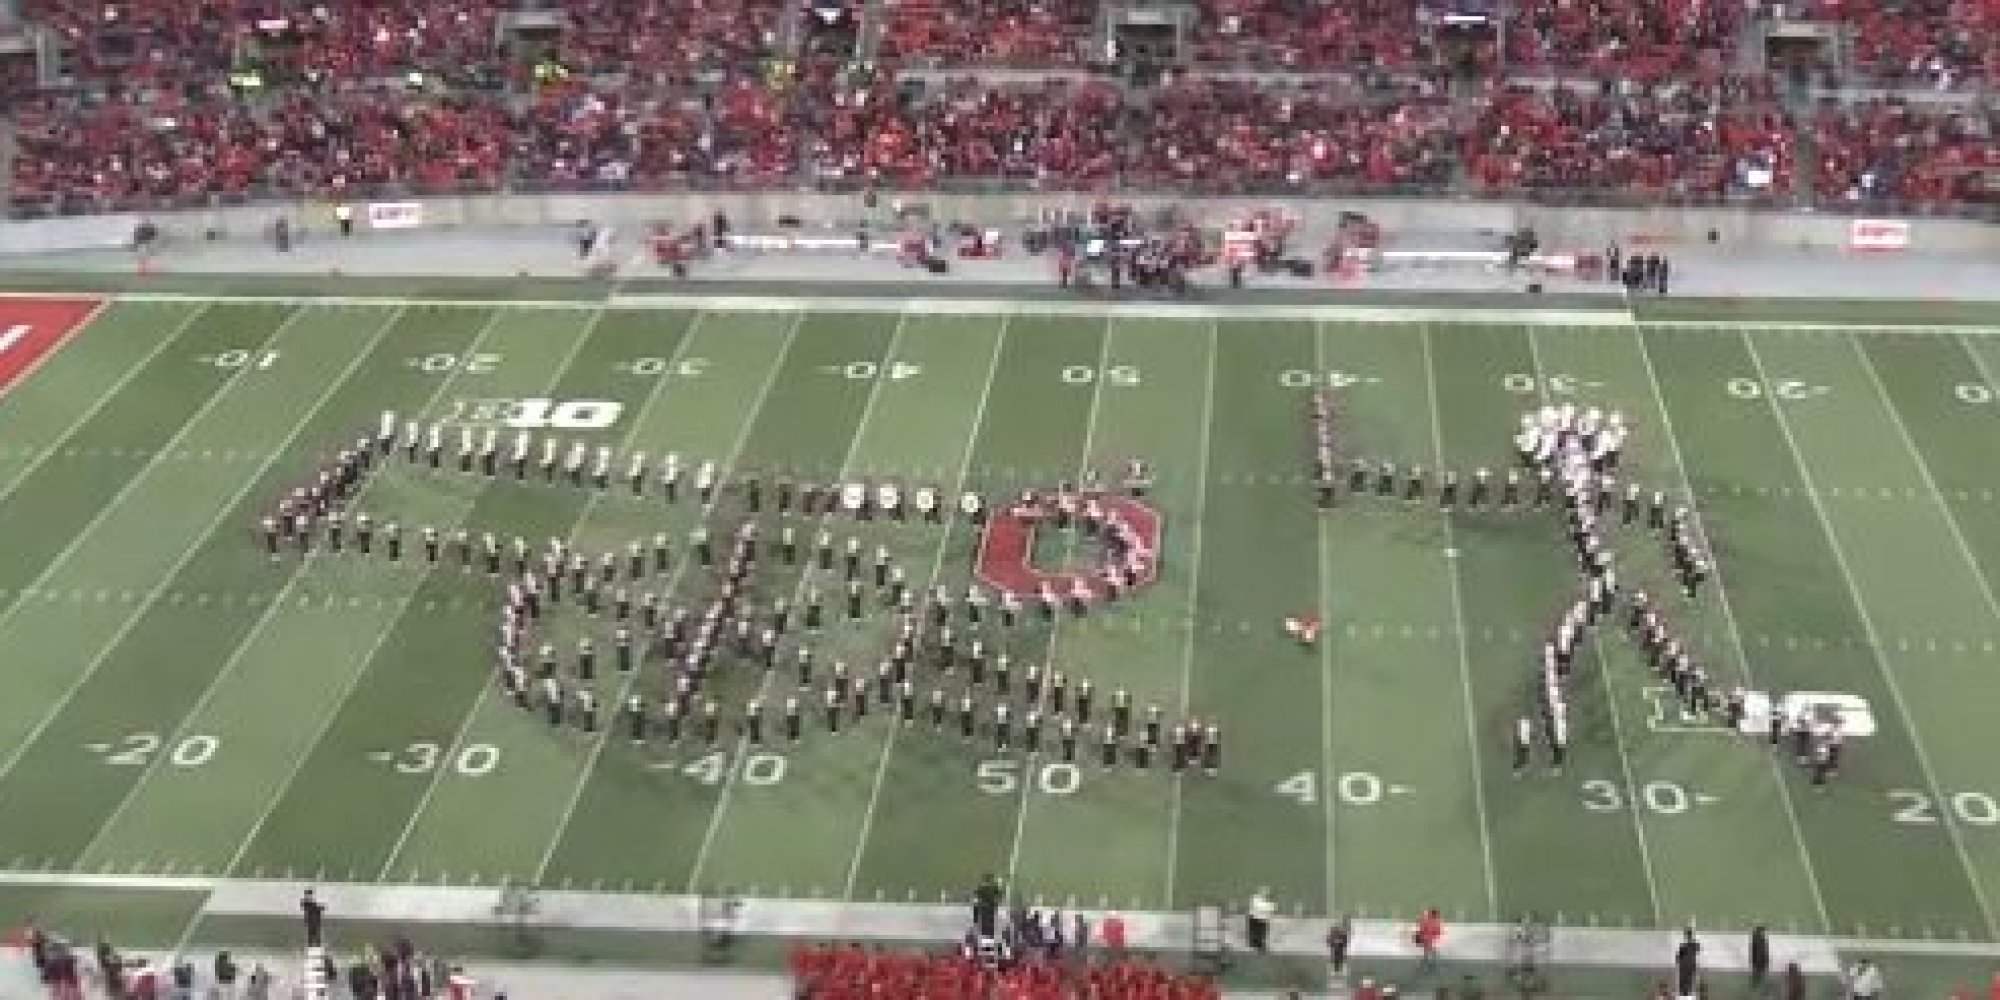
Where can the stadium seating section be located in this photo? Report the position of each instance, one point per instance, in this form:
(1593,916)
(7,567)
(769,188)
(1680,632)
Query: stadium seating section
(855,973)
(1604,99)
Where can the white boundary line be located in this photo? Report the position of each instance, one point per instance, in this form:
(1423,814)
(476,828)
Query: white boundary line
(332,711)
(1978,360)
(1464,654)
(937,569)
(1324,786)
(682,563)
(1199,516)
(1876,647)
(1658,393)
(221,392)
(104,399)
(215,684)
(99,303)
(1609,686)
(1950,520)
(717,812)
(1945,513)
(1083,465)
(331,714)
(1616,312)
(451,750)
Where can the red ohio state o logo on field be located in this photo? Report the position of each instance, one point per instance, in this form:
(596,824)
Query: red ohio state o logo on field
(1007,549)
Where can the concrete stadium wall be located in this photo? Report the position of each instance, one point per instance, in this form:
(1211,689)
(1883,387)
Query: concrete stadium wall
(1561,228)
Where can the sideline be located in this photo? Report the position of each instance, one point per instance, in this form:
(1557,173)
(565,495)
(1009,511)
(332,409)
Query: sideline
(833,920)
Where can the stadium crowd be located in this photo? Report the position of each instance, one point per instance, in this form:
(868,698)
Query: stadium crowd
(409,97)
(194,101)
(851,972)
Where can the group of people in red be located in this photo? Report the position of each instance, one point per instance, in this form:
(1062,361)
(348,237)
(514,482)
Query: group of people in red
(852,972)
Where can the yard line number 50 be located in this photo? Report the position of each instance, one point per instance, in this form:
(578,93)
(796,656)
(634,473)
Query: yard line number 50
(1008,777)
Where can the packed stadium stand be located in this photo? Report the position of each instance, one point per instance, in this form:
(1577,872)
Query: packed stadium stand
(131,105)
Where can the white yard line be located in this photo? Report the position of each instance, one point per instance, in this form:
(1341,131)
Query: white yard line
(229,666)
(1055,627)
(117,501)
(331,712)
(70,336)
(1978,361)
(1466,704)
(1735,630)
(104,399)
(1930,482)
(681,566)
(1325,606)
(1874,639)
(937,569)
(1610,689)
(1200,514)
(721,808)
(455,747)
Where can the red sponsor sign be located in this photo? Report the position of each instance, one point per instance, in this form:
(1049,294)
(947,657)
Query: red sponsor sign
(1878,234)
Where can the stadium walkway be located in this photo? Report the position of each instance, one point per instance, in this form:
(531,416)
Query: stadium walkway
(414,906)
(542,981)
(831,920)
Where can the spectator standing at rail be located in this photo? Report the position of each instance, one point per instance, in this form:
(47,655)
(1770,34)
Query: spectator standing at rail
(1429,937)
(986,907)
(314,914)
(1339,941)
(225,976)
(1257,922)
(1111,930)
(1760,958)
(1687,965)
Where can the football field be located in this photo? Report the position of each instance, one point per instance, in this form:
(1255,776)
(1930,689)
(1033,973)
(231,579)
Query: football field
(176,703)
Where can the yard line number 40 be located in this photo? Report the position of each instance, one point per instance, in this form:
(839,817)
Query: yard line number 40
(1355,788)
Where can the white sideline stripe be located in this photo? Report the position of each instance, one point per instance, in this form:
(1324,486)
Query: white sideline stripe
(1611,316)
(739,753)
(1812,326)
(1330,311)
(832,920)
(582,336)
(1616,316)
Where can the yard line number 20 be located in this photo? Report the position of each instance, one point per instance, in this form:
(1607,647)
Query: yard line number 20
(1917,808)
(141,749)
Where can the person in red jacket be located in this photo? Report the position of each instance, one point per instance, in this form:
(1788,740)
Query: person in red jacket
(1112,932)
(1429,936)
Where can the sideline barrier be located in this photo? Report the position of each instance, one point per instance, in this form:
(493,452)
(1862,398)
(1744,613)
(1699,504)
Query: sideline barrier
(834,218)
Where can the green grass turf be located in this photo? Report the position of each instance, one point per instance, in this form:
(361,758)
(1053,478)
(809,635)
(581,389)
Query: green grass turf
(338,720)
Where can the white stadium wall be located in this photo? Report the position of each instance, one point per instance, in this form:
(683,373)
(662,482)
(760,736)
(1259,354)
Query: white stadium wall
(1560,227)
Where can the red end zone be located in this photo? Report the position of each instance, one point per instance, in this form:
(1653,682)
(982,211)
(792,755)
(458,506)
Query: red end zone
(32,328)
